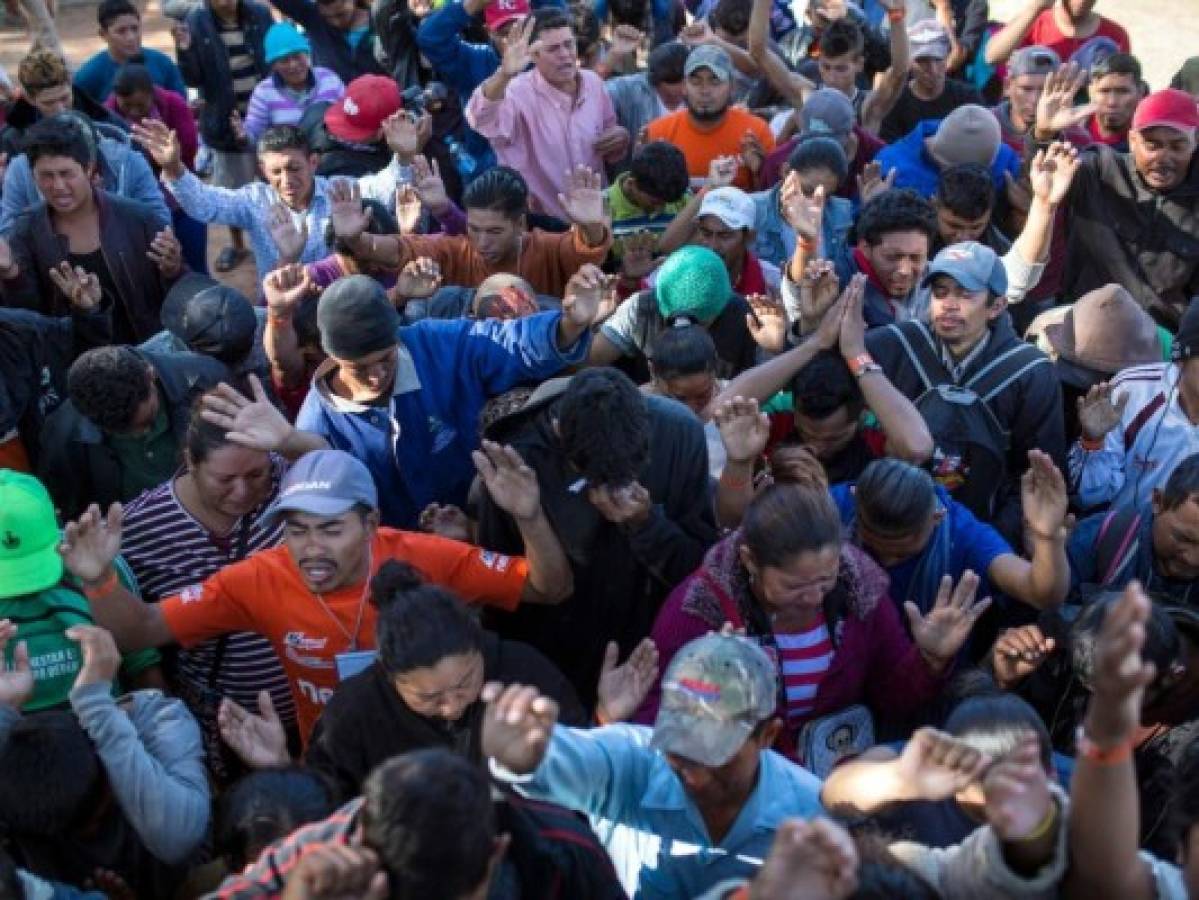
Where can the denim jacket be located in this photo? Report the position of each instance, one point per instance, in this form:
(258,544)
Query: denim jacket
(774,240)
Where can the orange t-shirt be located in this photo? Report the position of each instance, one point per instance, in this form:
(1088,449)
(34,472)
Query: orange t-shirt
(701,146)
(266,594)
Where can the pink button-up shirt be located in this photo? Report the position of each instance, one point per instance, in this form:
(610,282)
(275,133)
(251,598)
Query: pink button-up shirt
(542,132)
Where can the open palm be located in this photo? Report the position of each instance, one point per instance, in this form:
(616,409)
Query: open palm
(941,633)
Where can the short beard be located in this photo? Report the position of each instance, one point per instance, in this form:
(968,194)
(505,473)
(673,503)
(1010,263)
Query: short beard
(706,117)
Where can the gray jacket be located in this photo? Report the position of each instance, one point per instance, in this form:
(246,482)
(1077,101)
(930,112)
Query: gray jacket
(150,748)
(123,169)
(636,103)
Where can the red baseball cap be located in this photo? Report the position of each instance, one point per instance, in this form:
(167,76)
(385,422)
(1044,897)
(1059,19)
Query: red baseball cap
(1167,109)
(360,112)
(499,13)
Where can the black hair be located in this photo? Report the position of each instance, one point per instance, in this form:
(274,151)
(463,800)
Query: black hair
(795,514)
(202,437)
(428,815)
(819,153)
(108,384)
(824,386)
(502,189)
(682,348)
(304,322)
(10,879)
(51,772)
(603,426)
(895,496)
(896,210)
(381,221)
(966,190)
(731,16)
(666,63)
(1118,64)
(586,27)
(109,10)
(1182,485)
(996,723)
(131,79)
(60,135)
(660,169)
(419,623)
(265,806)
(1162,647)
(547,18)
(881,876)
(841,37)
(629,12)
(281,138)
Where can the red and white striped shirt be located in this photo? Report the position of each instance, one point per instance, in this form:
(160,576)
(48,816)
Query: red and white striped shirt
(805,657)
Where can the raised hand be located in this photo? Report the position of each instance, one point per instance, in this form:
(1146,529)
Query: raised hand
(101,658)
(622,688)
(80,287)
(420,278)
(1052,172)
(698,32)
(286,287)
(181,34)
(426,179)
(447,521)
(16,678)
(626,505)
(753,154)
(941,633)
(853,324)
(408,209)
(1121,672)
(334,871)
(626,41)
(583,295)
(166,253)
(1056,110)
(1019,652)
(345,209)
(638,257)
(935,766)
(91,543)
(803,213)
(612,142)
(511,484)
(517,726)
(744,429)
(1043,497)
(583,201)
(402,131)
(767,323)
(1097,414)
(518,49)
(1016,791)
(722,171)
(872,182)
(289,240)
(809,860)
(260,741)
(161,143)
(257,424)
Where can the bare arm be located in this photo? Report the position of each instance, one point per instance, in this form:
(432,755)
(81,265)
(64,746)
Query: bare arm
(1005,41)
(908,437)
(1050,175)
(886,92)
(763,382)
(793,87)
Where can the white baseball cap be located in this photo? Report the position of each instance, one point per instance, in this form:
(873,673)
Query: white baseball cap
(731,205)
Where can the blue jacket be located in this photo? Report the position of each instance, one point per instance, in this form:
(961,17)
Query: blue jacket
(918,170)
(419,450)
(96,76)
(459,63)
(123,169)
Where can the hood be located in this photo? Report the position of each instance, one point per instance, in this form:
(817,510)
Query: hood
(506,425)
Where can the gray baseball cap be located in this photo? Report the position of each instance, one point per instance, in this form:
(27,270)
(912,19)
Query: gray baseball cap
(972,265)
(325,483)
(714,693)
(709,56)
(827,113)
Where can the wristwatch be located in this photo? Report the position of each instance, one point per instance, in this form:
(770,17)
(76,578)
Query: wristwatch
(862,364)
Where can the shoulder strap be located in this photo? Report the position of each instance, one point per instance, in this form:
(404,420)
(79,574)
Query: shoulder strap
(1116,543)
(993,378)
(922,355)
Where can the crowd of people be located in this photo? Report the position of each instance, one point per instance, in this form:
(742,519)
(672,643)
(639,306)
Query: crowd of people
(724,449)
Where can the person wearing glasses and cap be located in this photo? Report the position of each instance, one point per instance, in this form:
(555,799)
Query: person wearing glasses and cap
(685,805)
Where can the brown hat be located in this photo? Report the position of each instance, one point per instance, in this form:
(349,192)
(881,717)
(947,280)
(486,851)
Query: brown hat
(1103,332)
(969,134)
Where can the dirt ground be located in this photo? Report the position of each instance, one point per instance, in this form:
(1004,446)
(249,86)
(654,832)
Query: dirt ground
(1163,34)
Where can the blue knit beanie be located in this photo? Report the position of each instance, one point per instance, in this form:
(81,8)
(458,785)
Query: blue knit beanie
(693,281)
(283,39)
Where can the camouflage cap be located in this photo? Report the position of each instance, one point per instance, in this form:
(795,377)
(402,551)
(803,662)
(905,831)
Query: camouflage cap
(714,693)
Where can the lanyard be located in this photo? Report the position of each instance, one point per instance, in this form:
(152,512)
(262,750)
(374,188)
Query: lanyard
(351,636)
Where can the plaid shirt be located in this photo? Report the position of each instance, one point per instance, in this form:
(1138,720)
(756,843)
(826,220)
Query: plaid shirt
(248,207)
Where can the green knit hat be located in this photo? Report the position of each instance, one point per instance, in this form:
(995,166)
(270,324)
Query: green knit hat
(694,282)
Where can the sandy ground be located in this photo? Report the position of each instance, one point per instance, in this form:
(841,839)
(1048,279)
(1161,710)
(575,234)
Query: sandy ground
(1163,33)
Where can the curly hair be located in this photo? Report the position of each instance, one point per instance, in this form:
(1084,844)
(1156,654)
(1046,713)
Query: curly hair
(107,385)
(603,425)
(660,169)
(898,209)
(41,69)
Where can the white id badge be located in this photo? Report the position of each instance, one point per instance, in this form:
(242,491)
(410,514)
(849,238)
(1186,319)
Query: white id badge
(352,662)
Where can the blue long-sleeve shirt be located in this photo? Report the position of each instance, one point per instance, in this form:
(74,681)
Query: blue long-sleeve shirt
(460,64)
(419,448)
(97,75)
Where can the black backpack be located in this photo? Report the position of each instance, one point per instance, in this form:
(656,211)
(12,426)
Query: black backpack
(970,444)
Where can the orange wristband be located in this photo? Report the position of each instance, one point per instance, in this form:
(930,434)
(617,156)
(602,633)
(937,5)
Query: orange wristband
(1090,445)
(807,245)
(1101,756)
(104,588)
(896,14)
